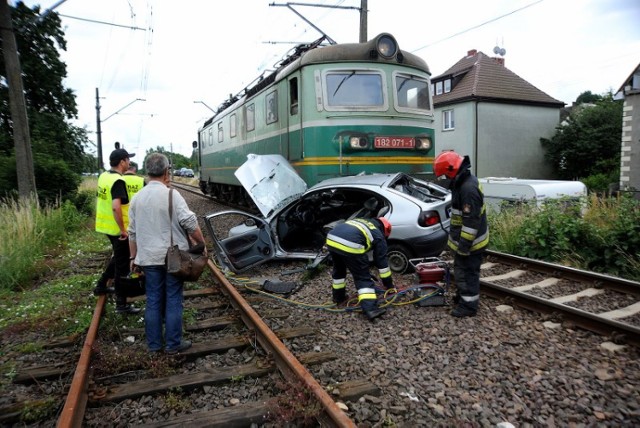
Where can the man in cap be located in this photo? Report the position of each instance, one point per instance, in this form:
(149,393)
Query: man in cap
(111,218)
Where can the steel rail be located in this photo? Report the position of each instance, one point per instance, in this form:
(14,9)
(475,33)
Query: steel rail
(586,320)
(289,365)
(74,407)
(599,280)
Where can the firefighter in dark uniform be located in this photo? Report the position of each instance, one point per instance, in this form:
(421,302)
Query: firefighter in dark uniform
(469,233)
(349,243)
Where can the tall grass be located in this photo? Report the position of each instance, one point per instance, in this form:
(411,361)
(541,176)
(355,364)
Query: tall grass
(604,238)
(28,232)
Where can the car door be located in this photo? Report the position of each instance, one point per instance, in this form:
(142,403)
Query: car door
(241,239)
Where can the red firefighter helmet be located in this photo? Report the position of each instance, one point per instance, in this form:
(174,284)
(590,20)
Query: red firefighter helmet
(386,226)
(447,163)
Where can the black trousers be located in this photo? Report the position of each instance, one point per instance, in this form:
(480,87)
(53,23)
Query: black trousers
(466,270)
(358,265)
(120,266)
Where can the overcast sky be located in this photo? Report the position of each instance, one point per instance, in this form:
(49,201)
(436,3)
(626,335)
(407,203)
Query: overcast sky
(203,50)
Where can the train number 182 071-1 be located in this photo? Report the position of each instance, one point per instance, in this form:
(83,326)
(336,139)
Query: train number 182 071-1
(394,143)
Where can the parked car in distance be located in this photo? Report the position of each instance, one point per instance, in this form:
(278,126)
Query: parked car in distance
(295,221)
(183,172)
(186,172)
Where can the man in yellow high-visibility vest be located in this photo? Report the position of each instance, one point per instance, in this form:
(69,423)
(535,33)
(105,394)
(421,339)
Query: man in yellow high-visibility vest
(111,211)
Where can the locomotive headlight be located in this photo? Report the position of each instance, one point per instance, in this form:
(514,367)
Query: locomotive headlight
(387,46)
(423,143)
(358,143)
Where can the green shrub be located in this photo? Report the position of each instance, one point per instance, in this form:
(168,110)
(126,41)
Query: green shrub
(55,180)
(606,239)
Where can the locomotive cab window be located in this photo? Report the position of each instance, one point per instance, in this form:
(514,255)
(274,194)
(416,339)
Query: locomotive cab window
(220,133)
(412,93)
(354,90)
(272,107)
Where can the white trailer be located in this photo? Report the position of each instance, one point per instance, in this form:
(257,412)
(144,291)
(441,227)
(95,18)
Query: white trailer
(500,191)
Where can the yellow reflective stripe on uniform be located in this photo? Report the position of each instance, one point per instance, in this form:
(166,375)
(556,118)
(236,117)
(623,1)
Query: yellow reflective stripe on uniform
(366,232)
(468,233)
(366,293)
(470,230)
(339,283)
(480,242)
(344,245)
(385,272)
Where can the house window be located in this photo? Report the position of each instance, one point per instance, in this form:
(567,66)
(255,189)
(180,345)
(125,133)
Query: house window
(250,117)
(232,125)
(220,133)
(438,88)
(448,120)
(447,86)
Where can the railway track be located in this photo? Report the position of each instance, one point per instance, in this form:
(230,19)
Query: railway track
(400,369)
(603,304)
(267,355)
(226,323)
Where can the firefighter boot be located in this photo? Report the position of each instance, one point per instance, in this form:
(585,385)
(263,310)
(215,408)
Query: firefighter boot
(461,311)
(339,296)
(371,309)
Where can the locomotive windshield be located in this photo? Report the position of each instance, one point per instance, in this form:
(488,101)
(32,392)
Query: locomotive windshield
(354,88)
(412,92)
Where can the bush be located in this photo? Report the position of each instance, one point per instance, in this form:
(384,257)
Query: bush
(606,239)
(55,180)
(599,183)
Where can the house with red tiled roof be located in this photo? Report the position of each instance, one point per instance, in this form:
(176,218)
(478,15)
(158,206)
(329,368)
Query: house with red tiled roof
(630,146)
(484,110)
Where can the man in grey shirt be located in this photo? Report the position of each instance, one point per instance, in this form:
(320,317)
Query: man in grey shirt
(150,232)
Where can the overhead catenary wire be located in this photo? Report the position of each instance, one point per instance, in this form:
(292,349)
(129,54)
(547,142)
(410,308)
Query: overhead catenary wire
(478,26)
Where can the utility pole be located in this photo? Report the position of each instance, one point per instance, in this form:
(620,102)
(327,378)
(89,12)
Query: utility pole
(363,21)
(98,131)
(22,140)
(99,127)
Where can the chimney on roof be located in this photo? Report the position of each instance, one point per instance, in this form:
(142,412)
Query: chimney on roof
(499,60)
(472,52)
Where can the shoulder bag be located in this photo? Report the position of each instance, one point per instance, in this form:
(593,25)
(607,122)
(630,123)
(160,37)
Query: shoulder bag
(183,264)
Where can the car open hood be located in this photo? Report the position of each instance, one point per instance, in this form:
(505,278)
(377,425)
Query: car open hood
(270,181)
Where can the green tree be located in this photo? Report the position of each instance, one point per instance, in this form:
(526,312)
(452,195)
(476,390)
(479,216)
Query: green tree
(50,105)
(588,142)
(588,98)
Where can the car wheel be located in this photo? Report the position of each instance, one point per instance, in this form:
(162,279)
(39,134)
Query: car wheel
(398,256)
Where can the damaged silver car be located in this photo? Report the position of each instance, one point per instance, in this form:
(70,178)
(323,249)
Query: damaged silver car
(295,221)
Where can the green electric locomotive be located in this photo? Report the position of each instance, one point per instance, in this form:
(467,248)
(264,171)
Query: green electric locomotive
(331,111)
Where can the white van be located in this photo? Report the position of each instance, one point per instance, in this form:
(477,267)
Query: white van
(500,191)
